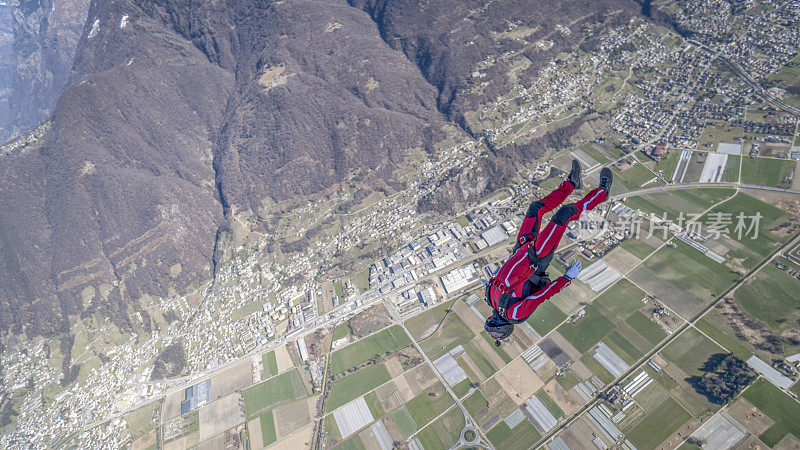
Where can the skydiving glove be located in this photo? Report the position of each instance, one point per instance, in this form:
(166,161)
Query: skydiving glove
(573,270)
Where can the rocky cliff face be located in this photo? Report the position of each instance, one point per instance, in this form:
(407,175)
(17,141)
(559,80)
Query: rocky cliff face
(38,39)
(176,112)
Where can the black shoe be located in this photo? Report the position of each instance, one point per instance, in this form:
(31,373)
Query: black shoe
(575,175)
(606,177)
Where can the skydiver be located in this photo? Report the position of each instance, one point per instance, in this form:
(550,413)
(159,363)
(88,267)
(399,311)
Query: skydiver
(522,283)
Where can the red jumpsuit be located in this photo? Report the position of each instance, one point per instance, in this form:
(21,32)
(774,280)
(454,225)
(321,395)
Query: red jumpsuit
(529,295)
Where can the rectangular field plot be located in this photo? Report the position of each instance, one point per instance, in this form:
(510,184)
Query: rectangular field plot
(283,388)
(773,227)
(768,172)
(522,436)
(452,332)
(587,331)
(423,325)
(714,325)
(270,363)
(263,426)
(444,432)
(649,329)
(630,177)
(637,247)
(220,415)
(429,404)
(782,310)
(622,300)
(658,425)
(602,153)
(683,278)
(404,422)
(670,204)
(778,406)
(546,317)
(690,351)
(385,341)
(715,136)
(354,385)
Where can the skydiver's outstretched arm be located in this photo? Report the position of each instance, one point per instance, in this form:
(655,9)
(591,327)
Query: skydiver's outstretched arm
(524,308)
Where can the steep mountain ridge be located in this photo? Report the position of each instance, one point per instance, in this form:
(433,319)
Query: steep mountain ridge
(176,113)
(38,39)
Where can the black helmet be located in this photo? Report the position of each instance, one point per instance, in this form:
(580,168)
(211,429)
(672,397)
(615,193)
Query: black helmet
(497,327)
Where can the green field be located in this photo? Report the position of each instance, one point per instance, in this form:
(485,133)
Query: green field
(690,351)
(568,381)
(649,329)
(331,427)
(732,168)
(549,404)
(676,202)
(658,425)
(283,388)
(429,439)
(374,404)
(380,343)
(731,343)
(622,299)
(452,332)
(444,432)
(461,388)
(270,363)
(588,331)
(354,443)
(633,177)
(475,403)
(268,433)
(623,347)
(546,317)
(782,311)
(342,330)
(405,423)
(637,247)
(768,172)
(692,271)
(429,404)
(668,164)
(600,154)
(522,436)
(777,405)
(362,279)
(597,369)
(796,389)
(352,386)
(140,421)
(421,325)
(766,241)
(479,358)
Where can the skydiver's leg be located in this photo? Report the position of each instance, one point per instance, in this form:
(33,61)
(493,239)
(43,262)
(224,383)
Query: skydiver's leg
(533,218)
(550,236)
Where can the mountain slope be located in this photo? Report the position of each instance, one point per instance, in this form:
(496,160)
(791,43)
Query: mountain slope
(176,114)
